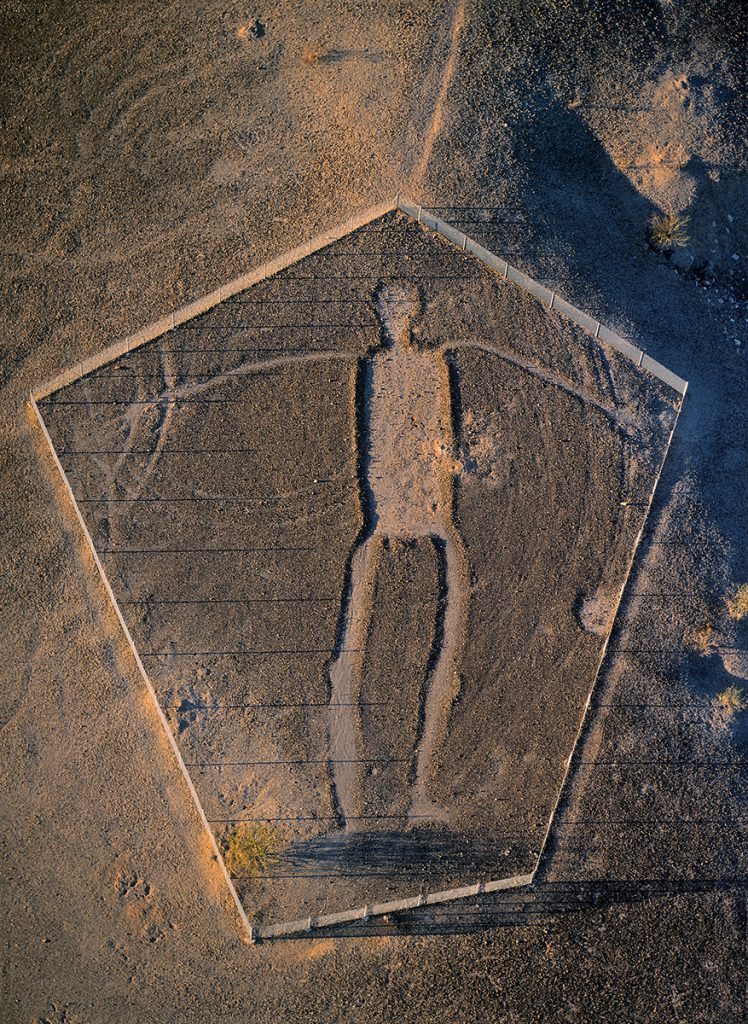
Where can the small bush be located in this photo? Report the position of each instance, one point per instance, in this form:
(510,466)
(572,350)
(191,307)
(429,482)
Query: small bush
(313,54)
(249,850)
(667,230)
(704,640)
(737,605)
(730,700)
(253,28)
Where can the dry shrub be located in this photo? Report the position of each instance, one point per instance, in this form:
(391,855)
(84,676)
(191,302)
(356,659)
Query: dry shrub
(249,850)
(313,54)
(737,605)
(667,230)
(730,700)
(703,640)
(251,30)
(726,706)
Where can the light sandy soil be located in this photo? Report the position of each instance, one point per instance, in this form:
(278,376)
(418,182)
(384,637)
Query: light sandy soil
(150,154)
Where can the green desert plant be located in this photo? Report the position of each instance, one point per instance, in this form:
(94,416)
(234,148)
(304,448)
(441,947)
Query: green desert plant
(249,850)
(667,230)
(737,605)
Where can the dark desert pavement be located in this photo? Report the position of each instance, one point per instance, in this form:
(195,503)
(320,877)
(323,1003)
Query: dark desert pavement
(149,156)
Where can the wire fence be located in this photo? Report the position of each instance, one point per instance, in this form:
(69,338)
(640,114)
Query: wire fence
(309,924)
(546,295)
(442,227)
(207,302)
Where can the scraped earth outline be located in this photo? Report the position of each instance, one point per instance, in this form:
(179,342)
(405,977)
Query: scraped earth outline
(356,599)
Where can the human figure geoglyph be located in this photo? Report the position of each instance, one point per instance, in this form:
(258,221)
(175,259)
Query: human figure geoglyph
(408,466)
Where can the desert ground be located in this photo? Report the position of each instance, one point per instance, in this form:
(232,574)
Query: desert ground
(384,395)
(151,153)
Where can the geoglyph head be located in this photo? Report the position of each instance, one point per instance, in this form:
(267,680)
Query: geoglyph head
(398,305)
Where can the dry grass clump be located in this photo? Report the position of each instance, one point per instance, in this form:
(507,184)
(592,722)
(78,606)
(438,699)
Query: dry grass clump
(251,30)
(313,54)
(667,230)
(704,639)
(737,605)
(730,700)
(249,850)
(726,706)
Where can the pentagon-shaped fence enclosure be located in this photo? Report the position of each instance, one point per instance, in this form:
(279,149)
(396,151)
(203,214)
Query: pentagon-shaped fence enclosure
(366,515)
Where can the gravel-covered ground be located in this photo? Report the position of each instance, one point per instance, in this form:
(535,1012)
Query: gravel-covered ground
(151,153)
(246,478)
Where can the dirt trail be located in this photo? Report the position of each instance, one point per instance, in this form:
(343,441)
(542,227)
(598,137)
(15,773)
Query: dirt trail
(408,466)
(437,117)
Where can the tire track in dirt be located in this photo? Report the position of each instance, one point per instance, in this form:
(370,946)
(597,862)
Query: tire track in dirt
(437,116)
